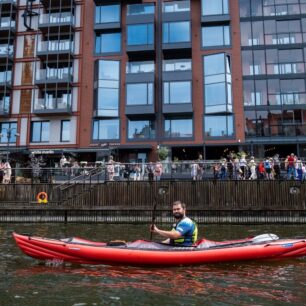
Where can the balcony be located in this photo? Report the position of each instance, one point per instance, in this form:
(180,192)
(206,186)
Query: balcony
(140,13)
(5,79)
(54,76)
(54,106)
(6,4)
(6,52)
(53,22)
(176,11)
(290,99)
(4,106)
(139,72)
(7,24)
(58,49)
(284,130)
(57,3)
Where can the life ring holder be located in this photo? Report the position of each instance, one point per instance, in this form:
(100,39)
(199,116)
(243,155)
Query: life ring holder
(42,198)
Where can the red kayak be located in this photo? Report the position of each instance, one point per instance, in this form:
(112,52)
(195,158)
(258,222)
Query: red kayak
(141,253)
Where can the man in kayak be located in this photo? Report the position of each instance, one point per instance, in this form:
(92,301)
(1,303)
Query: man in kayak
(184,231)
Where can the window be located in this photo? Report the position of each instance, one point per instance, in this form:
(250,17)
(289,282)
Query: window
(8,131)
(141,129)
(215,7)
(106,129)
(217,83)
(177,128)
(219,126)
(140,67)
(107,88)
(65,130)
(108,43)
(40,131)
(140,9)
(140,34)
(4,103)
(177,92)
(176,32)
(177,65)
(215,36)
(107,13)
(139,94)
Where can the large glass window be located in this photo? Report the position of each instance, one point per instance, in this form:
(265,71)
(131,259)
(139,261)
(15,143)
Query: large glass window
(219,126)
(108,43)
(140,129)
(177,128)
(177,65)
(217,83)
(107,88)
(177,92)
(65,130)
(106,129)
(216,36)
(176,32)
(139,94)
(40,131)
(215,7)
(140,34)
(8,132)
(107,13)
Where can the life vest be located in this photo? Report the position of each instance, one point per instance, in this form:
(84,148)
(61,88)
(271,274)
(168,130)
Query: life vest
(42,197)
(187,239)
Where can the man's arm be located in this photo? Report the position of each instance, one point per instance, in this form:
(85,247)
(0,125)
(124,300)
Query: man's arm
(166,234)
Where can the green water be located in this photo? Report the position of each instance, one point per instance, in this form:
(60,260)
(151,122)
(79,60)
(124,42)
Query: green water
(26,281)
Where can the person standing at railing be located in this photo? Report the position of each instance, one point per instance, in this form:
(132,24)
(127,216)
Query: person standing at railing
(150,171)
(7,173)
(276,167)
(1,171)
(158,171)
(290,162)
(194,170)
(201,170)
(252,167)
(110,169)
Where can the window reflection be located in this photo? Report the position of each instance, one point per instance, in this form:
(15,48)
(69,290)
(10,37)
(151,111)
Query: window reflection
(140,34)
(215,36)
(215,7)
(176,32)
(139,94)
(108,43)
(107,13)
(219,126)
(177,92)
(106,129)
(141,129)
(177,128)
(40,131)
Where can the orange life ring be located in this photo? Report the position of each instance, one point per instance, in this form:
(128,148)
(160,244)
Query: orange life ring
(42,197)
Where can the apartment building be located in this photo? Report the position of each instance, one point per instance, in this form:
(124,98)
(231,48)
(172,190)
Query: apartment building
(93,78)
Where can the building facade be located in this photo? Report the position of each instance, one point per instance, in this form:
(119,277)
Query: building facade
(94,78)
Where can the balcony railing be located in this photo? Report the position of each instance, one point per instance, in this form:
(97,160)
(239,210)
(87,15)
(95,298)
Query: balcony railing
(6,50)
(8,1)
(286,68)
(287,98)
(7,22)
(56,74)
(56,18)
(140,67)
(281,39)
(54,46)
(53,104)
(5,105)
(176,6)
(5,77)
(283,130)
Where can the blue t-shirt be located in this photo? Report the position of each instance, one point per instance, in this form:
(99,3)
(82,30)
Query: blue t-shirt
(186,228)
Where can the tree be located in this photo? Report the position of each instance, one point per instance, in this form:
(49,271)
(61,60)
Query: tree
(163,153)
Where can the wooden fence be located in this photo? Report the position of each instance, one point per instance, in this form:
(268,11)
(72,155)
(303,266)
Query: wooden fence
(208,201)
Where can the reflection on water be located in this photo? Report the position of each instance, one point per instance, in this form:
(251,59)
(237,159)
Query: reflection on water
(24,280)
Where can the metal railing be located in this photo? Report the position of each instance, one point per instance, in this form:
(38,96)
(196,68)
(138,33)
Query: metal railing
(95,173)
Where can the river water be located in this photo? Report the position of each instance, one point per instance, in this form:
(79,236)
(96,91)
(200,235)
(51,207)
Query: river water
(26,281)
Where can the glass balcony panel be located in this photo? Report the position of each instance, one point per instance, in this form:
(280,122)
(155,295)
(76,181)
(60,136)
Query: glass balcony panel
(55,74)
(6,22)
(140,67)
(176,6)
(51,46)
(5,76)
(6,50)
(65,17)
(53,103)
(140,9)
(5,104)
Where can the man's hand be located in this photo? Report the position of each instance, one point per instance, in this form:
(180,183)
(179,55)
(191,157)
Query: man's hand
(153,228)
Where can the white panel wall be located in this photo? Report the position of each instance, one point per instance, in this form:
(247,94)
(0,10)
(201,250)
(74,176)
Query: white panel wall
(20,44)
(23,131)
(76,71)
(55,130)
(77,43)
(78,16)
(16,102)
(74,99)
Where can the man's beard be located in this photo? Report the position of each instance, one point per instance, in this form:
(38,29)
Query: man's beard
(178,215)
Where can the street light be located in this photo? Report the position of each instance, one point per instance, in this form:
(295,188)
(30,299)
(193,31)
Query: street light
(8,136)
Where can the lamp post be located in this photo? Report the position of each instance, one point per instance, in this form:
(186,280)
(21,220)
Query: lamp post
(8,136)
